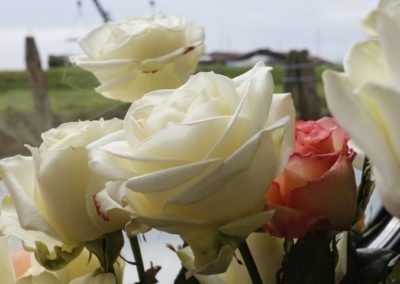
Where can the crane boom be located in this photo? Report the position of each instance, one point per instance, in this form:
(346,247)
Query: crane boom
(103,13)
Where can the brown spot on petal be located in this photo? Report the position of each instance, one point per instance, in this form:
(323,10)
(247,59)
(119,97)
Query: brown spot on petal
(150,71)
(188,49)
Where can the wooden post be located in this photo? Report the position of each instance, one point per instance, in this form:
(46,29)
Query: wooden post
(38,82)
(300,81)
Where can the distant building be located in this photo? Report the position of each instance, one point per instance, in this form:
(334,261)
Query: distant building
(250,58)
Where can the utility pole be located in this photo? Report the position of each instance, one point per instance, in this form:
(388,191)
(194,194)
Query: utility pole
(38,82)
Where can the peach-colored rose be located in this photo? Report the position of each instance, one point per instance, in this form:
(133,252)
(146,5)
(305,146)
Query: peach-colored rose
(317,188)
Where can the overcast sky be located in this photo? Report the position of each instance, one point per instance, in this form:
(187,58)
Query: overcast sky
(325,27)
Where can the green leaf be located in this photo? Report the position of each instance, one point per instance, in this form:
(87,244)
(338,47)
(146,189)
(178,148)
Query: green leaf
(58,259)
(310,260)
(107,249)
(365,189)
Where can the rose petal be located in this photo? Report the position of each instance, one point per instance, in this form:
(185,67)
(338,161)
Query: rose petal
(6,267)
(335,195)
(65,202)
(388,30)
(18,175)
(348,106)
(172,178)
(363,56)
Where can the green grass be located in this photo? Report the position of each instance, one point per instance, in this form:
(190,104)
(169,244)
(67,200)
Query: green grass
(72,94)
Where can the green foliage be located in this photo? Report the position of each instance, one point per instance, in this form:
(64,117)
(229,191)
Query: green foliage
(107,249)
(311,260)
(58,259)
(73,97)
(367,265)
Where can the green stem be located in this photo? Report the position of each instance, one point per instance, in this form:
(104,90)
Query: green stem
(138,259)
(250,263)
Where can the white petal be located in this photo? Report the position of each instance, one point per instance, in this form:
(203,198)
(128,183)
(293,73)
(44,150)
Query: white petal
(42,278)
(214,85)
(19,177)
(92,278)
(363,56)
(179,140)
(63,179)
(341,266)
(10,226)
(241,228)
(282,107)
(257,150)
(172,178)
(251,113)
(384,105)
(360,122)
(388,30)
(102,163)
(114,220)
(246,76)
(6,266)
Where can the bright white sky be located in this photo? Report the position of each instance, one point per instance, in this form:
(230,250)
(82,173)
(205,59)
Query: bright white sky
(326,27)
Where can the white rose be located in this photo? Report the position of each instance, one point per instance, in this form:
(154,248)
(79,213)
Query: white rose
(53,190)
(136,55)
(365,99)
(198,160)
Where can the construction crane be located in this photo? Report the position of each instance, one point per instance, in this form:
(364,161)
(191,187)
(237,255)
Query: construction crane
(103,13)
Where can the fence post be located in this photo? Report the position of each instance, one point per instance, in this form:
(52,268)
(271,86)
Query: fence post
(300,81)
(38,82)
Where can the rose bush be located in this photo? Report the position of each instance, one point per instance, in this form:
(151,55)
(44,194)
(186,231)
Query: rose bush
(196,161)
(317,188)
(136,55)
(365,99)
(52,190)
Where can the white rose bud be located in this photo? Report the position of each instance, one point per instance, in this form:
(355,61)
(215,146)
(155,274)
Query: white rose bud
(136,55)
(197,161)
(53,190)
(365,100)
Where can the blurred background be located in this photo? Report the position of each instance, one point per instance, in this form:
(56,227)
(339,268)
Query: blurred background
(300,39)
(39,89)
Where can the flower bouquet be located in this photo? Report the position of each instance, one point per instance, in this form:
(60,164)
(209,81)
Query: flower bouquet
(255,196)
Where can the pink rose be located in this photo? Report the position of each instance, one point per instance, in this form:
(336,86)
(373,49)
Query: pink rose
(317,189)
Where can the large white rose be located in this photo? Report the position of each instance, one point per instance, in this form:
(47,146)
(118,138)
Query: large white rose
(365,99)
(136,55)
(53,189)
(197,161)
